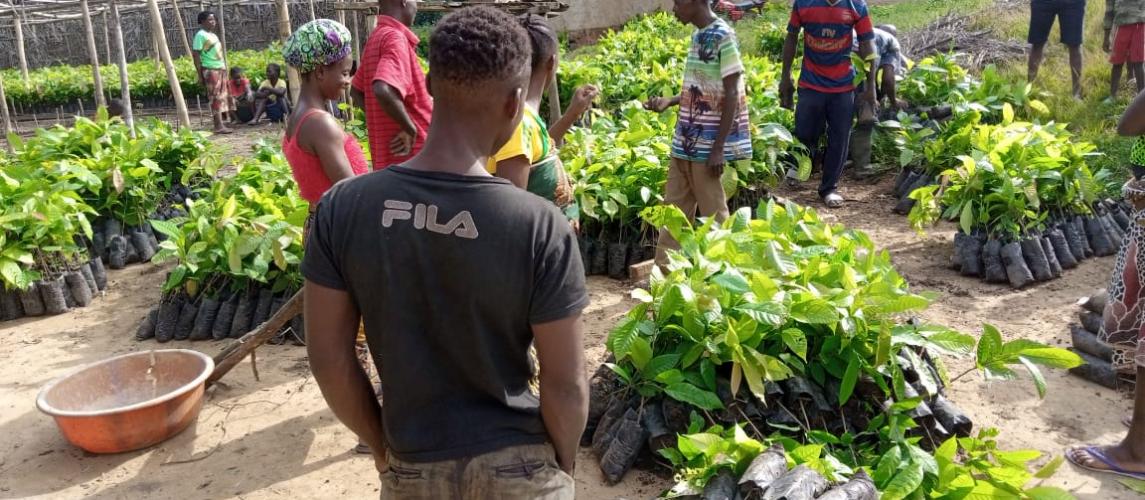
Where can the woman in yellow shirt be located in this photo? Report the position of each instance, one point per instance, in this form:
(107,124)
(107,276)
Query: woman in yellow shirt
(529,159)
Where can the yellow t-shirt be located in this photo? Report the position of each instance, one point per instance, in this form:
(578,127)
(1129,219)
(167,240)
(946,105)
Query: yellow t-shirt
(531,140)
(267,86)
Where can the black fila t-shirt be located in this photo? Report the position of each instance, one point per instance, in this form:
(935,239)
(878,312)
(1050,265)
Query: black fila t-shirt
(449,272)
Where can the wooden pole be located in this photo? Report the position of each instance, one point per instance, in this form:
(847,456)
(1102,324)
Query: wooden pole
(223,30)
(93,54)
(155,51)
(182,27)
(313,14)
(121,60)
(357,35)
(165,55)
(106,39)
(554,101)
(18,21)
(4,115)
(293,80)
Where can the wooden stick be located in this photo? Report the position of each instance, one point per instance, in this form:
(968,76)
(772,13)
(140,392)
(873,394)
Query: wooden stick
(4,116)
(165,55)
(106,39)
(313,16)
(234,353)
(293,80)
(18,20)
(554,101)
(93,54)
(181,26)
(121,60)
(221,17)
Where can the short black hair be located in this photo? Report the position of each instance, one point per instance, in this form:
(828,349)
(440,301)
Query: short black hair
(542,38)
(274,66)
(236,72)
(204,15)
(478,44)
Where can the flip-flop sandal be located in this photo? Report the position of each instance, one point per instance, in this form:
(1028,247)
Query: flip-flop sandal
(362,449)
(1127,420)
(1095,452)
(792,178)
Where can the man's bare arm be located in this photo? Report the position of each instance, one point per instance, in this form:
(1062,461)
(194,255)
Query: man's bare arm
(331,326)
(564,388)
(1133,121)
(393,106)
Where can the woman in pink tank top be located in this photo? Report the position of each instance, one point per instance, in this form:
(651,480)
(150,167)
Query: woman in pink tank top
(319,152)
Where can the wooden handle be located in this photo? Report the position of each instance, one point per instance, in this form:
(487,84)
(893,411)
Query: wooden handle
(240,348)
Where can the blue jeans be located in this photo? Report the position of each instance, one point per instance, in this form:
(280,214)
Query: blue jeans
(818,112)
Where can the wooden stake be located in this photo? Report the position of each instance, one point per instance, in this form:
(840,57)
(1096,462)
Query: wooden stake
(165,55)
(182,27)
(293,80)
(221,18)
(554,101)
(97,80)
(313,16)
(4,115)
(18,21)
(106,39)
(357,35)
(121,60)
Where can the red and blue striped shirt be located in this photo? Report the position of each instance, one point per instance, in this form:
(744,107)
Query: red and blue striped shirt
(827,39)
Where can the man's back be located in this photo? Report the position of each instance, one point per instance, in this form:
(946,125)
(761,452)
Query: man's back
(449,272)
(827,37)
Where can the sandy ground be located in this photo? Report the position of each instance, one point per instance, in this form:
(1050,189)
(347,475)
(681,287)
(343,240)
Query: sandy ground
(275,437)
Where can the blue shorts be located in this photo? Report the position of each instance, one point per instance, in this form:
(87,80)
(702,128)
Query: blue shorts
(1071,20)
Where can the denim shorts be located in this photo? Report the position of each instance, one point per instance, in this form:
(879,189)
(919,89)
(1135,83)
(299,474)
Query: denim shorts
(1069,13)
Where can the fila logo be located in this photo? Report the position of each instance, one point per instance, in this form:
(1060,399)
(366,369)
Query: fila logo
(425,217)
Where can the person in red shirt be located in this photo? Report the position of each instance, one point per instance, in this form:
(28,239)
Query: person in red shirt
(390,86)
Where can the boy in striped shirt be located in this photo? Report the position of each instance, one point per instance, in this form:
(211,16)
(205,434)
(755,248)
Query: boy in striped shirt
(712,128)
(826,81)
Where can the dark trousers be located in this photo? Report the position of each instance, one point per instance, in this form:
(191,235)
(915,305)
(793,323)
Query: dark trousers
(817,112)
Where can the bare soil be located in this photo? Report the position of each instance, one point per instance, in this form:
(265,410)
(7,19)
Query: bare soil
(275,437)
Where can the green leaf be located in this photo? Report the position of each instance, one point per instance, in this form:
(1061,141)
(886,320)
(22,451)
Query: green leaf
(641,353)
(966,220)
(732,281)
(673,301)
(1052,493)
(688,393)
(620,372)
(167,228)
(778,259)
(1136,485)
(660,364)
(1051,467)
(764,313)
(175,279)
(796,341)
(621,339)
(951,342)
(814,312)
(850,377)
(10,271)
(1052,357)
(904,483)
(1036,374)
(989,345)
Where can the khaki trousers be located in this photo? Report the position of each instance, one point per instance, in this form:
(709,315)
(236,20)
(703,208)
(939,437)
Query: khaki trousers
(691,187)
(513,473)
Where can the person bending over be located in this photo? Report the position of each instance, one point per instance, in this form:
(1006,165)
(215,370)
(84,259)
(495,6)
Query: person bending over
(454,273)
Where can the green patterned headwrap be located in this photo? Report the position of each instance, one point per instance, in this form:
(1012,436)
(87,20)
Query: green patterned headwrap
(317,43)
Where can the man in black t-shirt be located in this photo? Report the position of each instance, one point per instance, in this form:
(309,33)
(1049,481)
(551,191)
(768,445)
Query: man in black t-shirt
(454,274)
